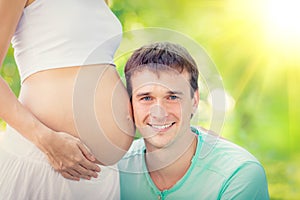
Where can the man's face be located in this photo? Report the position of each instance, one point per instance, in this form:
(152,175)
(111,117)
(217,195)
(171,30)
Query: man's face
(162,106)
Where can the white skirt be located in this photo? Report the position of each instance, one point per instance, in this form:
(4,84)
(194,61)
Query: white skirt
(26,174)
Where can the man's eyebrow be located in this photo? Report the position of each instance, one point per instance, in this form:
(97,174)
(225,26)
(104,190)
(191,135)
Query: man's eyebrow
(148,93)
(142,94)
(175,92)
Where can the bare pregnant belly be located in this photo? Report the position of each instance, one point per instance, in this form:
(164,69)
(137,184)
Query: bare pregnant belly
(88,102)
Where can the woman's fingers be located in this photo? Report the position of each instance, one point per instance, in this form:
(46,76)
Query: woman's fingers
(86,163)
(69,176)
(86,152)
(82,171)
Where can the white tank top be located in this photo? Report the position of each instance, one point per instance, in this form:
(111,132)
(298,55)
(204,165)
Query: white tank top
(62,33)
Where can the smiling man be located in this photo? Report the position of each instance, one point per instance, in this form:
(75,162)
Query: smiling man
(167,163)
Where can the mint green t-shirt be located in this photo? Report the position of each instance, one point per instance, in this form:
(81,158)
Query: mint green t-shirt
(218,170)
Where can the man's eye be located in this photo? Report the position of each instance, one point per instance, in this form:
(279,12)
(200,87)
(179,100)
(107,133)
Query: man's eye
(173,97)
(146,98)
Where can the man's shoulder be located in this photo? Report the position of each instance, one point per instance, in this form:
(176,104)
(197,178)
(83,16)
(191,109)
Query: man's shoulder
(215,145)
(221,155)
(132,161)
(231,165)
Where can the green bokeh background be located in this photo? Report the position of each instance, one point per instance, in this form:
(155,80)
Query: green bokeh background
(260,72)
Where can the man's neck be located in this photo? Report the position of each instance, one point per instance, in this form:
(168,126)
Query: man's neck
(167,176)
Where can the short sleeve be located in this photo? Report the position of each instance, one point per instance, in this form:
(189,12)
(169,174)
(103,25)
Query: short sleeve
(247,182)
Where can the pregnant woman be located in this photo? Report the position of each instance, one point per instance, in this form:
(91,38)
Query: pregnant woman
(70,92)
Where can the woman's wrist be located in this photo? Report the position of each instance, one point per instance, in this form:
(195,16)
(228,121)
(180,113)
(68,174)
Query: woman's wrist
(41,136)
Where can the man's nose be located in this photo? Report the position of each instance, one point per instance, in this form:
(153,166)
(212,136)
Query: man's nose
(157,112)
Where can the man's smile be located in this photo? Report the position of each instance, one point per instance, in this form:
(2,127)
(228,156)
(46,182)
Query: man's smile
(161,127)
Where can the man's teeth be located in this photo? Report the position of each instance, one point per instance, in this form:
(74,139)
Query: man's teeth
(161,126)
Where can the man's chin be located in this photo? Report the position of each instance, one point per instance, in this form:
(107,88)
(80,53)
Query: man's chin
(157,143)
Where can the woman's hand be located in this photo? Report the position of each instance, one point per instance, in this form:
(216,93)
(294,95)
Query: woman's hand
(69,156)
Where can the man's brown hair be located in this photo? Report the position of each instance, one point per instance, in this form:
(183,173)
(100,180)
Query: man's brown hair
(162,56)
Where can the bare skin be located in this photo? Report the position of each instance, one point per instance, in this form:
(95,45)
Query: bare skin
(44,113)
(162,108)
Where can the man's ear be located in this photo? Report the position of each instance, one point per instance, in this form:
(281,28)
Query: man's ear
(195,101)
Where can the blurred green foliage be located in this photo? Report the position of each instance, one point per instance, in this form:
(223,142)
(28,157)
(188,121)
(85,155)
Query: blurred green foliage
(257,72)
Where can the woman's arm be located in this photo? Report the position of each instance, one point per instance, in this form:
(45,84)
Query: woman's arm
(65,152)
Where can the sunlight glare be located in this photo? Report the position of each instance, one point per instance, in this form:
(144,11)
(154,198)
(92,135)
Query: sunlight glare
(282,28)
(282,20)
